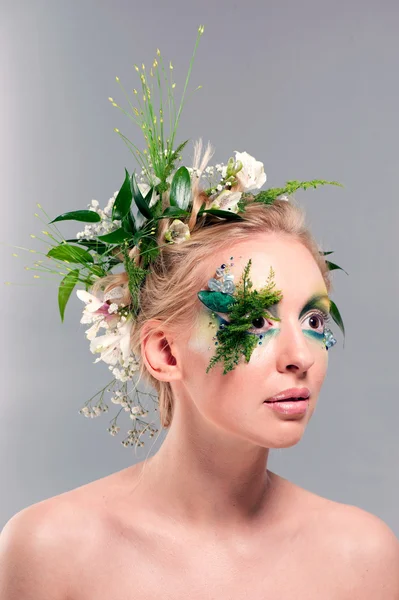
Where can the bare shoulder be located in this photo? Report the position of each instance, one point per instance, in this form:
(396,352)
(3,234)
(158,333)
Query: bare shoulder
(34,558)
(371,550)
(365,548)
(44,546)
(360,547)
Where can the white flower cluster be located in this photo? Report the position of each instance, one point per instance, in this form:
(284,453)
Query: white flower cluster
(114,349)
(106,225)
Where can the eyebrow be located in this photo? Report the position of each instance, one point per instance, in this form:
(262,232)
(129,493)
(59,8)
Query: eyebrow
(314,301)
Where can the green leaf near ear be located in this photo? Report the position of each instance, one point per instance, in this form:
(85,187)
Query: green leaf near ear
(65,290)
(325,253)
(87,216)
(123,200)
(217,301)
(223,214)
(336,316)
(333,266)
(72,254)
(115,237)
(139,199)
(180,189)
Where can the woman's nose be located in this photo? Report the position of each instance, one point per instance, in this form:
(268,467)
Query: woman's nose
(294,350)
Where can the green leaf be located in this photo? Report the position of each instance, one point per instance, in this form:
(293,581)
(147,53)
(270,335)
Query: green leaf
(95,245)
(325,253)
(139,200)
(174,211)
(333,266)
(115,237)
(217,301)
(65,290)
(180,189)
(225,214)
(336,316)
(128,224)
(72,254)
(123,200)
(87,216)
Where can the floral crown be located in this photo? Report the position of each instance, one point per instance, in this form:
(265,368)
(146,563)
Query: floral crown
(127,230)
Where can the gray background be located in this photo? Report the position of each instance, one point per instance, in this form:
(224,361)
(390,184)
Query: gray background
(311,89)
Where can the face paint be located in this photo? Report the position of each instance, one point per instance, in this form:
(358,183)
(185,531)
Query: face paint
(247,310)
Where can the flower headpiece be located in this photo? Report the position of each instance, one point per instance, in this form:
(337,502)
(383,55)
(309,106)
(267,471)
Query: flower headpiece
(126,230)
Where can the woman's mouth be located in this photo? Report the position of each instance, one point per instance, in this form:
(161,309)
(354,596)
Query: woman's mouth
(290,406)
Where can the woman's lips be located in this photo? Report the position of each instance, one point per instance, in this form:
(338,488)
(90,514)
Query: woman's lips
(289,407)
(290,394)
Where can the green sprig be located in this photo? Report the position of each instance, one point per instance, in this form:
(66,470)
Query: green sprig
(235,339)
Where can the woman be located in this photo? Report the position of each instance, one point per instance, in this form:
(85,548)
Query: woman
(226,316)
(204,517)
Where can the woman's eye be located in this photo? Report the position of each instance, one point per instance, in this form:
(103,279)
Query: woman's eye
(258,325)
(317,321)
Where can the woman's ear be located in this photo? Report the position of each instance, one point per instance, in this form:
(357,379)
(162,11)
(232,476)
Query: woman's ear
(157,351)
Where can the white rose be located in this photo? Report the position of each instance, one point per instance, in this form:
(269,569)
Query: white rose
(252,175)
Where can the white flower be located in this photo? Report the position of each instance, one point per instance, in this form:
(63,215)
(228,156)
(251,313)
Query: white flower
(178,232)
(283,197)
(115,346)
(96,312)
(227,200)
(252,175)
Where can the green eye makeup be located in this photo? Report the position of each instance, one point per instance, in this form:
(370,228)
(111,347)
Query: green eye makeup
(246,308)
(248,312)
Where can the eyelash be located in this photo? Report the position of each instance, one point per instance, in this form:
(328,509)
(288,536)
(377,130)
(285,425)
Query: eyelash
(319,312)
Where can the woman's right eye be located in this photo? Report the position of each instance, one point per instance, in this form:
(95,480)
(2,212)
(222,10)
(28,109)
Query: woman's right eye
(258,325)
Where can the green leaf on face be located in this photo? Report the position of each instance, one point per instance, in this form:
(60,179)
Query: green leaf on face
(217,301)
(224,214)
(123,200)
(95,245)
(72,254)
(336,316)
(65,290)
(333,266)
(180,189)
(115,237)
(140,201)
(87,216)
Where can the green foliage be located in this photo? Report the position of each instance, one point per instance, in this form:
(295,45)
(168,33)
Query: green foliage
(136,277)
(234,339)
(87,216)
(65,290)
(270,195)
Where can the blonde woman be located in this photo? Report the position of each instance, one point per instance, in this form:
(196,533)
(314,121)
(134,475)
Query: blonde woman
(205,517)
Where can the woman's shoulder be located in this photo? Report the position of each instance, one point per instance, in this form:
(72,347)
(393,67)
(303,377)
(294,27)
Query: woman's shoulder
(364,545)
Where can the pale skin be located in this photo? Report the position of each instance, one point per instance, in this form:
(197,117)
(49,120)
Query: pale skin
(205,517)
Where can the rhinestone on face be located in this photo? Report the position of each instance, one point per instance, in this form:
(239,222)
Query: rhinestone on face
(329,338)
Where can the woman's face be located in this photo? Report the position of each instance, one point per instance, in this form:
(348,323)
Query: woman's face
(291,355)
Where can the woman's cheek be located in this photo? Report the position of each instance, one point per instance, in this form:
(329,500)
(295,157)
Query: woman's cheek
(203,338)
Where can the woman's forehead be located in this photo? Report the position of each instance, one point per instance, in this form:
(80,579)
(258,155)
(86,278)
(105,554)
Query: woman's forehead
(295,268)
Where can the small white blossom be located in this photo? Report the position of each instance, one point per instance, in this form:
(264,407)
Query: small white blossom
(178,232)
(227,200)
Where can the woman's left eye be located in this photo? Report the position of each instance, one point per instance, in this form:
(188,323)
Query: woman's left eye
(318,320)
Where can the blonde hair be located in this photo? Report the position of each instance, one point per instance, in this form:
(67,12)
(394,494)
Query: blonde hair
(169,292)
